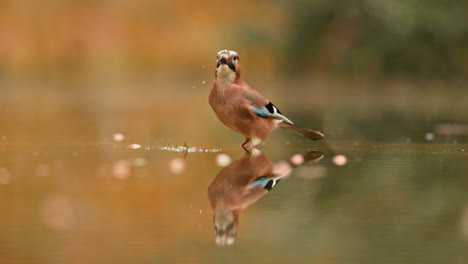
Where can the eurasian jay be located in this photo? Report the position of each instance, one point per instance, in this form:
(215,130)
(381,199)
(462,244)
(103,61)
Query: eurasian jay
(241,184)
(243,109)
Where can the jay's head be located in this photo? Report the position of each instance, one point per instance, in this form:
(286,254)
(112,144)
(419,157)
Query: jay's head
(227,64)
(225,225)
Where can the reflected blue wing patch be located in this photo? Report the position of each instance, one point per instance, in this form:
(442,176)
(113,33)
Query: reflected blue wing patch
(261,112)
(266,182)
(260,181)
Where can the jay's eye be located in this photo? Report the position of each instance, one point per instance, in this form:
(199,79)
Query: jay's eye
(235,58)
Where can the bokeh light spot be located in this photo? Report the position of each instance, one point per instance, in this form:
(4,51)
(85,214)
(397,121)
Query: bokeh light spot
(340,160)
(57,213)
(222,160)
(5,176)
(176,165)
(121,169)
(117,137)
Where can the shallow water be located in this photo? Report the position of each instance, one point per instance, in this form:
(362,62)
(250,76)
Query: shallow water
(72,191)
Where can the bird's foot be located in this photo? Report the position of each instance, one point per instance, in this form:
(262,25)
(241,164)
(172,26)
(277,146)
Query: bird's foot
(245,143)
(245,149)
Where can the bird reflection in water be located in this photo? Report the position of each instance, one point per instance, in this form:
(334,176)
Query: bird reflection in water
(244,182)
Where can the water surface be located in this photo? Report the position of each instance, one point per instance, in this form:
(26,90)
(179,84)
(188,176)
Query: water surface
(73,192)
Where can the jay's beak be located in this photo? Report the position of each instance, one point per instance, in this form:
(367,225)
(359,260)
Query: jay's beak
(228,62)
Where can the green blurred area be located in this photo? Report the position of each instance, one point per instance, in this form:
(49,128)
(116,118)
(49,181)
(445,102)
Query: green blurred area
(422,38)
(367,38)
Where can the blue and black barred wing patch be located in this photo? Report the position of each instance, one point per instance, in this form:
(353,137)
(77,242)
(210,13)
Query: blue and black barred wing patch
(271,111)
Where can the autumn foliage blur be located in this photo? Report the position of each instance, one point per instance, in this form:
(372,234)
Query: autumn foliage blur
(368,37)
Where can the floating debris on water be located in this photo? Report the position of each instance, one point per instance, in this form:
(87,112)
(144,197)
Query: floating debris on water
(180,148)
(340,160)
(117,137)
(203,82)
(189,149)
(134,146)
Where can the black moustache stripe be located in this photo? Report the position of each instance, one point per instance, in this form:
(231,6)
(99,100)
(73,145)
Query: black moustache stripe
(231,66)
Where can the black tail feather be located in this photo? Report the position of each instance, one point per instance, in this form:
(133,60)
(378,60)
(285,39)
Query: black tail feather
(308,133)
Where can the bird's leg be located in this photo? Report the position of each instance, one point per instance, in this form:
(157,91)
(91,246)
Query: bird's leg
(255,142)
(245,143)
